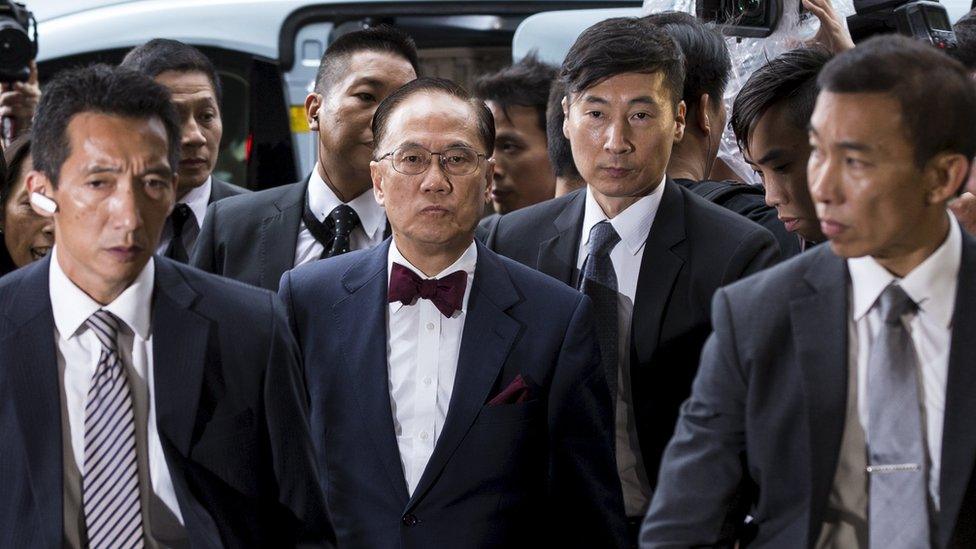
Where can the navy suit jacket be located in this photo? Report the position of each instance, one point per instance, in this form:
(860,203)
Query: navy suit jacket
(762,430)
(230,408)
(532,474)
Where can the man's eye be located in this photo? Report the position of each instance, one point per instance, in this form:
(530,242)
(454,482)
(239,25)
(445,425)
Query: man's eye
(594,114)
(782,169)
(366,97)
(642,116)
(509,147)
(96,183)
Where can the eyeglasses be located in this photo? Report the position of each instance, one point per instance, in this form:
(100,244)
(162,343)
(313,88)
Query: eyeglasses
(415,160)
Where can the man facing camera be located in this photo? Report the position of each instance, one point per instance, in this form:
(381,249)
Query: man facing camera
(144,403)
(457,398)
(194,86)
(256,238)
(648,252)
(842,415)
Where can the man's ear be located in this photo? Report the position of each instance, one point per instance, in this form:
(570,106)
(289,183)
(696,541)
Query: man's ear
(489,177)
(376,174)
(679,122)
(946,174)
(313,102)
(702,120)
(565,105)
(38,182)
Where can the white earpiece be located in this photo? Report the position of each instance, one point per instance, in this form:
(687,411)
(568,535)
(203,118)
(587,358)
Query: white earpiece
(44,203)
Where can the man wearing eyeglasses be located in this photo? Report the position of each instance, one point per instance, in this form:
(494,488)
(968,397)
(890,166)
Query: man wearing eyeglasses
(466,406)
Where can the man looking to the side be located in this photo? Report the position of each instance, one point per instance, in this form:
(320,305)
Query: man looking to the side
(256,238)
(517,96)
(144,403)
(195,89)
(466,405)
(841,416)
(649,253)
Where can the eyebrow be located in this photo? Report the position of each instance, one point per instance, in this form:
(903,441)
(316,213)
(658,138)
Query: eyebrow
(641,100)
(158,169)
(774,154)
(449,146)
(366,81)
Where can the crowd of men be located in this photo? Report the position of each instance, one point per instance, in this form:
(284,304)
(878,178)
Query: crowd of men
(628,352)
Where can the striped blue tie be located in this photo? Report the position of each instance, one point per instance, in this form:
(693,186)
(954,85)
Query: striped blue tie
(110,486)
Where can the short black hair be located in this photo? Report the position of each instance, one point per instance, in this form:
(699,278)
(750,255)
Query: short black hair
(486,122)
(162,54)
(790,79)
(559,149)
(707,60)
(524,84)
(99,89)
(935,93)
(965,51)
(620,45)
(382,38)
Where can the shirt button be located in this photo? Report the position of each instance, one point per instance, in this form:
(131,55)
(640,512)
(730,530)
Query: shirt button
(424,435)
(430,325)
(428,381)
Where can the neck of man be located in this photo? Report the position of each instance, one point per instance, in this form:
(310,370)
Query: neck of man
(431,259)
(347,187)
(612,206)
(568,184)
(690,158)
(929,234)
(101,291)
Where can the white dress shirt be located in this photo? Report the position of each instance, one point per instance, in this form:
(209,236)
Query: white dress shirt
(197,199)
(633,225)
(422,354)
(932,286)
(78,352)
(322,200)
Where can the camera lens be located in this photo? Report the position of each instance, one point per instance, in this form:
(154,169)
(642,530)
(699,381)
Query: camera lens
(749,8)
(15,51)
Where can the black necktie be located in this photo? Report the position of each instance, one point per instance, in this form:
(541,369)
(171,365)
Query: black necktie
(176,250)
(334,233)
(599,282)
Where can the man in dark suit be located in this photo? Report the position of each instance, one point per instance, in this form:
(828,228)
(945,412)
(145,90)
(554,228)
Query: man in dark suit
(834,401)
(650,253)
(256,238)
(457,398)
(145,403)
(195,89)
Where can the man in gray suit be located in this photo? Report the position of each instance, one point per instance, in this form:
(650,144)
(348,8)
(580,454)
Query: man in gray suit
(834,400)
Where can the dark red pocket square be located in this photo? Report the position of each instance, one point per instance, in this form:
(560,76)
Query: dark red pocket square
(518,391)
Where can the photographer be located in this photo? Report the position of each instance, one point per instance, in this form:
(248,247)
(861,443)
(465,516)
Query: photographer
(17,103)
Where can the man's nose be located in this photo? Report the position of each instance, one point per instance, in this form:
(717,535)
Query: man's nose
(617,140)
(192,135)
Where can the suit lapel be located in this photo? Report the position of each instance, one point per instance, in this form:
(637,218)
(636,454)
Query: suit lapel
(179,353)
(959,429)
(819,314)
(365,360)
(660,264)
(279,235)
(557,255)
(33,378)
(485,344)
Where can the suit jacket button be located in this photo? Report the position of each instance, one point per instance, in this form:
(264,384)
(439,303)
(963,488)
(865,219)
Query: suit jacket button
(410,519)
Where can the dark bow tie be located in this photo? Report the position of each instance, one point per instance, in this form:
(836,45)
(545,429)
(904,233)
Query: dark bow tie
(445,293)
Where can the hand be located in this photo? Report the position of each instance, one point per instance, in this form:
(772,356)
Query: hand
(833,33)
(964,209)
(18,100)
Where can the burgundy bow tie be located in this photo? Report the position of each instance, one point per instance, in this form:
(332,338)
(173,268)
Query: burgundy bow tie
(446,293)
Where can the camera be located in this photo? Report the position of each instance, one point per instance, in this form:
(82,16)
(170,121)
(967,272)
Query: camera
(744,18)
(17,47)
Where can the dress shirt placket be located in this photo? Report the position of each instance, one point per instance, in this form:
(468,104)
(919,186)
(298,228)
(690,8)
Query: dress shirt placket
(428,353)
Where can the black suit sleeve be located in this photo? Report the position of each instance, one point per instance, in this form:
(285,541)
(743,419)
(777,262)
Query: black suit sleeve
(286,419)
(204,251)
(584,487)
(756,252)
(698,490)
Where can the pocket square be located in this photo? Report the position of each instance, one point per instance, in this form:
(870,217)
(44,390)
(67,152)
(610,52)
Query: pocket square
(518,391)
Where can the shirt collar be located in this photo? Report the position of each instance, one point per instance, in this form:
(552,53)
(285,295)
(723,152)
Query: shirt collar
(932,284)
(72,306)
(633,224)
(322,200)
(198,199)
(466,262)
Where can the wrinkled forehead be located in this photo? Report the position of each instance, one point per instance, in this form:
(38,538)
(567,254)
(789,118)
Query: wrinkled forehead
(95,137)
(433,120)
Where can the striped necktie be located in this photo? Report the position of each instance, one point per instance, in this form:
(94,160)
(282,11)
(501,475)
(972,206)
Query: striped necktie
(110,485)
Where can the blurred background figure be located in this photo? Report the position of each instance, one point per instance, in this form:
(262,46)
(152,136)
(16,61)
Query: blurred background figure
(517,97)
(964,207)
(27,236)
(568,178)
(17,103)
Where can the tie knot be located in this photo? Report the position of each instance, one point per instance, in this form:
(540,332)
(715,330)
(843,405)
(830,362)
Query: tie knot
(894,303)
(181,213)
(105,325)
(603,237)
(344,218)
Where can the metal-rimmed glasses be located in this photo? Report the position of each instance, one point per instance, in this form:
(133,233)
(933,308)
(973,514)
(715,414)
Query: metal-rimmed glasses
(415,160)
